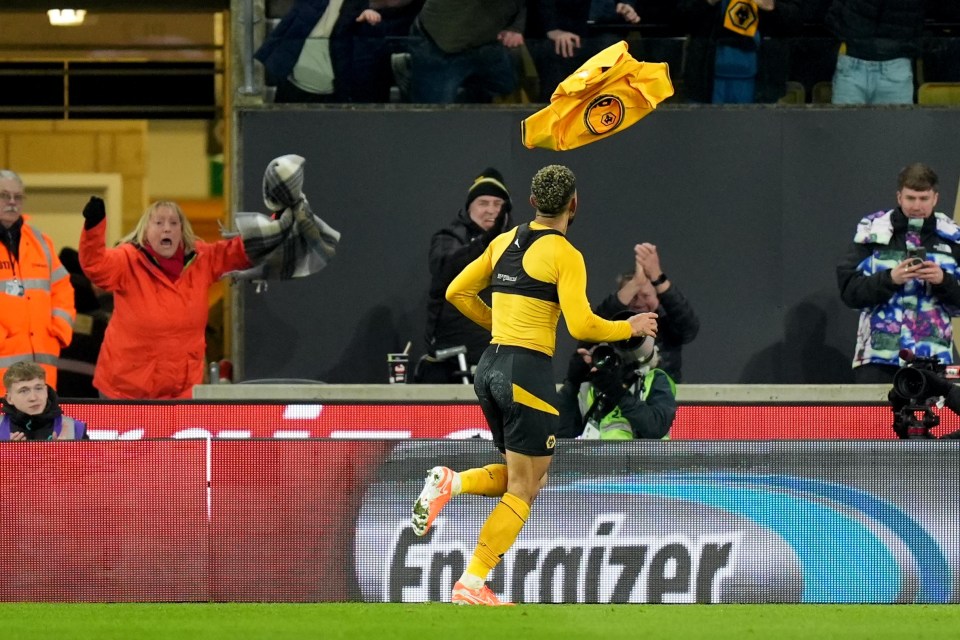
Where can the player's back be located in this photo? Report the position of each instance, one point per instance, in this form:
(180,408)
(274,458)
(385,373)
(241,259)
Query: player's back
(528,265)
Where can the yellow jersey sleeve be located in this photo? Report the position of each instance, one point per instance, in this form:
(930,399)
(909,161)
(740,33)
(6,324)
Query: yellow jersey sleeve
(464,292)
(582,322)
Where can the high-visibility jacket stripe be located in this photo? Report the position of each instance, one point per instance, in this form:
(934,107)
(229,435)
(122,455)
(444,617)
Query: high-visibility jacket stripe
(37,321)
(35,284)
(65,315)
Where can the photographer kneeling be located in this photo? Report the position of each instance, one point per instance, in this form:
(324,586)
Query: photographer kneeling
(615,392)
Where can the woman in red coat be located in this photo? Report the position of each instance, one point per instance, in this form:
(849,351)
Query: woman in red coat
(160,275)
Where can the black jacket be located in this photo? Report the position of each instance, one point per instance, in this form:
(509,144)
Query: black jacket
(878,29)
(281,48)
(11,237)
(38,427)
(547,15)
(451,249)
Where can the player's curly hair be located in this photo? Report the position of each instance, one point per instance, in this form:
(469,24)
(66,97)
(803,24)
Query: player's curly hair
(553,188)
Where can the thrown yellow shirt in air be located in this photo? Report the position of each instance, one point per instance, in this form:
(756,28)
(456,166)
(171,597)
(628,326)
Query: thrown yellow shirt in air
(524,321)
(610,92)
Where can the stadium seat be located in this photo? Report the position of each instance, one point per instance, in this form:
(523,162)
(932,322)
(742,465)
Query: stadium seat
(939,93)
(795,94)
(823,92)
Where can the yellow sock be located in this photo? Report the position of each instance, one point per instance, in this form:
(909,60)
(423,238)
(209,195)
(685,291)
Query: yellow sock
(490,480)
(498,534)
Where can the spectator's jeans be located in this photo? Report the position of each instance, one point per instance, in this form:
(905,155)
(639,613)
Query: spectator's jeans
(437,76)
(859,81)
(734,90)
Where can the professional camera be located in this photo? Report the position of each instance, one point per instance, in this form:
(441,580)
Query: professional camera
(917,389)
(615,369)
(607,357)
(625,356)
(616,366)
(920,378)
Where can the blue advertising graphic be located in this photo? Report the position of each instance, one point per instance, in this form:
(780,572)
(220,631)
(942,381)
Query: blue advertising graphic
(684,522)
(843,560)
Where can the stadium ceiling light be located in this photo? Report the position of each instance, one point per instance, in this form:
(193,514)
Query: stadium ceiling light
(66,17)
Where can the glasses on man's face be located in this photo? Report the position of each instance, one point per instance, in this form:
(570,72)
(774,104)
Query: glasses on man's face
(17,198)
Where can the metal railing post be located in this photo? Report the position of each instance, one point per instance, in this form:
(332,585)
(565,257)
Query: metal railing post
(247,20)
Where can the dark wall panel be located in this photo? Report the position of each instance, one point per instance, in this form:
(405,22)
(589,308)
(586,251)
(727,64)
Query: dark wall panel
(750,208)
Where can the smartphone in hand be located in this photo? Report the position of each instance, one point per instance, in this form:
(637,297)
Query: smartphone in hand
(916,255)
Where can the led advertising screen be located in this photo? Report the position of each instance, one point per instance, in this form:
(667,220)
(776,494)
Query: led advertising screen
(329,520)
(112,421)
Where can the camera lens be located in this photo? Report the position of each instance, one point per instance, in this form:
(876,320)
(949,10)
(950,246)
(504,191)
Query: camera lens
(605,357)
(910,383)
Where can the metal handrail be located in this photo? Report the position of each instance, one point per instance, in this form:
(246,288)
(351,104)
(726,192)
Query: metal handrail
(248,19)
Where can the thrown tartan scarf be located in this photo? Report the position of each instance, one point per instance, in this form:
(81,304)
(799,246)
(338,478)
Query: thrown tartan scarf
(294,242)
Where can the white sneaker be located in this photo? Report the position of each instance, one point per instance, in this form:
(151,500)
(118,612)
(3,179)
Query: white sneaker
(436,493)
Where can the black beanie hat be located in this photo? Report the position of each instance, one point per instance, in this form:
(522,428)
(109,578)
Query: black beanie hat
(489,183)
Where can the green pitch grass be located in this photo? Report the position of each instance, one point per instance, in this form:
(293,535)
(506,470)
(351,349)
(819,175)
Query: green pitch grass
(447,622)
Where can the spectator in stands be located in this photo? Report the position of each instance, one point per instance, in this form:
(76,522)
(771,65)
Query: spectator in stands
(159,275)
(813,55)
(901,273)
(941,59)
(374,42)
(738,56)
(618,393)
(459,45)
(485,215)
(36,299)
(78,359)
(560,40)
(310,55)
(658,41)
(878,41)
(647,288)
(30,408)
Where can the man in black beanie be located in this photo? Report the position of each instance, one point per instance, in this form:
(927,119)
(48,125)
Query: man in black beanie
(485,215)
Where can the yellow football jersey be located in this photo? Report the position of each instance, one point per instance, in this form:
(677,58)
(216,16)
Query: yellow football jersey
(609,93)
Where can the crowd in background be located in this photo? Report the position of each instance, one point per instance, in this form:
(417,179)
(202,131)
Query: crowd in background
(454,52)
(719,51)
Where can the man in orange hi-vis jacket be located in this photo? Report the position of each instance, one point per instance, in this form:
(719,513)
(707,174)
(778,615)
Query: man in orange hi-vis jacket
(36,298)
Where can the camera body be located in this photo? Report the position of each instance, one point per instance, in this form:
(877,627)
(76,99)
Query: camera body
(913,381)
(625,356)
(614,359)
(608,358)
(917,389)
(615,369)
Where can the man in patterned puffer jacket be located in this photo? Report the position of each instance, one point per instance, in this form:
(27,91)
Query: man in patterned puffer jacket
(901,272)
